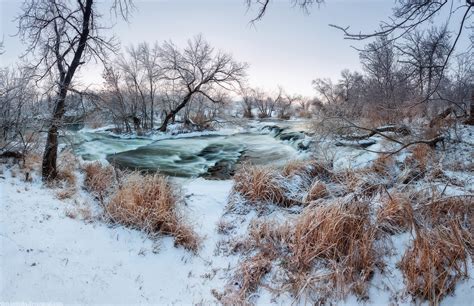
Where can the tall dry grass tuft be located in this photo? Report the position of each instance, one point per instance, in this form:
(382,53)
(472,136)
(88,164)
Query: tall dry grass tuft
(260,185)
(395,215)
(67,164)
(307,169)
(266,241)
(99,180)
(269,237)
(383,164)
(248,278)
(150,203)
(340,235)
(420,157)
(316,191)
(435,262)
(444,209)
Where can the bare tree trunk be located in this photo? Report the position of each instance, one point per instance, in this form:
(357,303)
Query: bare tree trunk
(172,114)
(49,168)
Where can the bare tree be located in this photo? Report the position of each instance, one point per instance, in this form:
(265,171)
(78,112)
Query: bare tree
(63,35)
(19,107)
(198,70)
(328,92)
(262,6)
(248,101)
(408,16)
(149,58)
(285,104)
(424,53)
(265,103)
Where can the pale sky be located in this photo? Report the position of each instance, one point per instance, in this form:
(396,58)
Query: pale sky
(287,47)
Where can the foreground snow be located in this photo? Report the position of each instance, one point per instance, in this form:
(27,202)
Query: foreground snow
(49,257)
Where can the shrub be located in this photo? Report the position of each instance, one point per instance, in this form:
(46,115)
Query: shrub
(150,203)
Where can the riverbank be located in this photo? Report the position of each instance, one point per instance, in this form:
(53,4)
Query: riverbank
(56,247)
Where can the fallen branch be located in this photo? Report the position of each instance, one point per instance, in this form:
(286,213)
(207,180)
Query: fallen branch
(402,130)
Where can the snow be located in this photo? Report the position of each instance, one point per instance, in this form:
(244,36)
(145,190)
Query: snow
(49,257)
(46,256)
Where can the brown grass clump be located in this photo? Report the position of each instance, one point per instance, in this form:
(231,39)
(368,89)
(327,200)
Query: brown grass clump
(343,237)
(317,191)
(269,237)
(224,227)
(362,182)
(99,180)
(150,203)
(382,164)
(260,185)
(270,240)
(434,263)
(305,168)
(396,214)
(67,163)
(443,210)
(249,277)
(66,193)
(32,162)
(420,157)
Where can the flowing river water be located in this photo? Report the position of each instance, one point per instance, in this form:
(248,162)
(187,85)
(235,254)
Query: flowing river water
(192,155)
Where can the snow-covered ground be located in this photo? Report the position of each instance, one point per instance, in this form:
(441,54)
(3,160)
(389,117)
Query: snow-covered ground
(47,256)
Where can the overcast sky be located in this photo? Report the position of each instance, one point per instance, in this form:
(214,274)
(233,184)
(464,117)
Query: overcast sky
(287,47)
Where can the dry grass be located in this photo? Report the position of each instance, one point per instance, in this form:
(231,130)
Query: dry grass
(271,240)
(395,215)
(66,193)
(67,164)
(32,163)
(82,212)
(441,211)
(421,155)
(362,182)
(99,180)
(249,277)
(317,190)
(308,169)
(224,227)
(434,263)
(150,203)
(341,235)
(327,253)
(260,185)
(269,237)
(383,164)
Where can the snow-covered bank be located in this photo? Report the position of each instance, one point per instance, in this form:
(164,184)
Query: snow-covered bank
(48,257)
(51,251)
